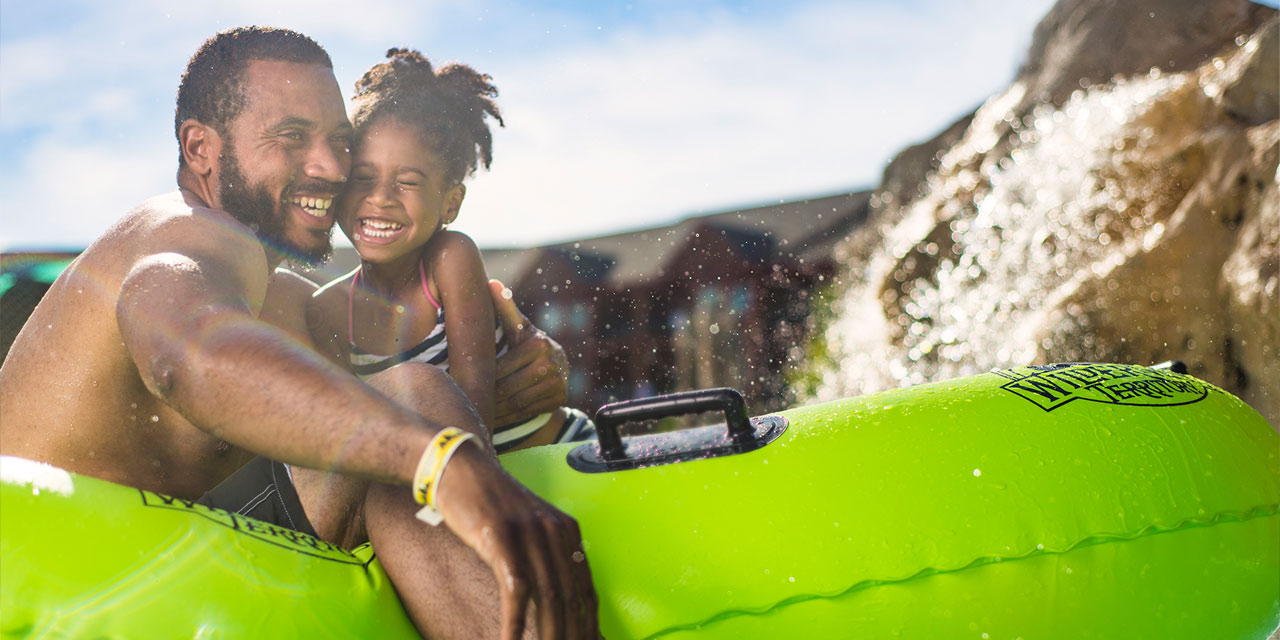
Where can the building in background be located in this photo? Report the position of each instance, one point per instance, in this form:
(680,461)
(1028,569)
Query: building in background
(717,300)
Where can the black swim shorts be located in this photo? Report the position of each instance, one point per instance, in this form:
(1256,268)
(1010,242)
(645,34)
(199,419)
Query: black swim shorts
(263,490)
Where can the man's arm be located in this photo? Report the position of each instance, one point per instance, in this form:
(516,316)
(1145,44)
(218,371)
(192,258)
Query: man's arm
(532,375)
(188,322)
(191,329)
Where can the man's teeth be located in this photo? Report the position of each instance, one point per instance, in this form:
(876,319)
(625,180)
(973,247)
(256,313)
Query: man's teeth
(374,228)
(317,207)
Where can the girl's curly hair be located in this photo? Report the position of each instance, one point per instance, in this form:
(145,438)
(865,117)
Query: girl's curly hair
(446,106)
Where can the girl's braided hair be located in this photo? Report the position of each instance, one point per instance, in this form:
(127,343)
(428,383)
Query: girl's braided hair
(447,107)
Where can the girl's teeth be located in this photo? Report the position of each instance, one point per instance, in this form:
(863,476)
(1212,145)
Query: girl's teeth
(380,228)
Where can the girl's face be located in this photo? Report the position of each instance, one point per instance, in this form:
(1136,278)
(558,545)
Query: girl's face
(397,195)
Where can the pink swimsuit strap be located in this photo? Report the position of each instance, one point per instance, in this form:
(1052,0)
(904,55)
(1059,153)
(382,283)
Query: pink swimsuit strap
(351,299)
(422,277)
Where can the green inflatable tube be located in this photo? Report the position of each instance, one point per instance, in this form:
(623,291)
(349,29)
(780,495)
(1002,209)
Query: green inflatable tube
(1066,501)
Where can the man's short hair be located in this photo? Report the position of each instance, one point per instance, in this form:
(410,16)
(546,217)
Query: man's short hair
(212,89)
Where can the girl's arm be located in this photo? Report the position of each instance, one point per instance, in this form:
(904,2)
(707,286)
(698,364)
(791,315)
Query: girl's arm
(532,376)
(459,275)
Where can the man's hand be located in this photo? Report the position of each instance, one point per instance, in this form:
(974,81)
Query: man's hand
(534,550)
(532,376)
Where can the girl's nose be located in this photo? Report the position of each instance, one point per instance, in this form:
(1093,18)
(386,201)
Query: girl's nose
(380,195)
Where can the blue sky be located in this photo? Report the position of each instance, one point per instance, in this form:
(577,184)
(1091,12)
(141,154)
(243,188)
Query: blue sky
(619,115)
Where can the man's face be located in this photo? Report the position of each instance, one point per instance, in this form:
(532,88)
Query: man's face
(285,157)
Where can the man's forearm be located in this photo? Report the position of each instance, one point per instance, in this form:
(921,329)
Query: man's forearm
(247,383)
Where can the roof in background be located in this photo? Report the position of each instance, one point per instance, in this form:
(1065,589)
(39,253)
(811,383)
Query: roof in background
(797,229)
(801,229)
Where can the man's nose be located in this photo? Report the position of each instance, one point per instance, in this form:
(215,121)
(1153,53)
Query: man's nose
(323,162)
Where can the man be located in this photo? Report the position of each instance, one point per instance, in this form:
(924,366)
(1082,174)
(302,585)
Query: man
(148,364)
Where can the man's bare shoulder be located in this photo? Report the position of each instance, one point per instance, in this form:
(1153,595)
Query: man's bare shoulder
(335,291)
(286,304)
(286,284)
(73,366)
(172,223)
(187,222)
(327,317)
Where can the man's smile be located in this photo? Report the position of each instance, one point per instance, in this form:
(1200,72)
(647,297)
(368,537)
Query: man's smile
(316,207)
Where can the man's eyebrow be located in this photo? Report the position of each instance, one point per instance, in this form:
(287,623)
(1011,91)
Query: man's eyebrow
(301,123)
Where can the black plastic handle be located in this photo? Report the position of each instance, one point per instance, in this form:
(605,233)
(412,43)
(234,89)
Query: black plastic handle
(1176,366)
(611,416)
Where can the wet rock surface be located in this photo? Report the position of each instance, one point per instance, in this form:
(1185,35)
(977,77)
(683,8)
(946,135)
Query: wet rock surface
(1118,202)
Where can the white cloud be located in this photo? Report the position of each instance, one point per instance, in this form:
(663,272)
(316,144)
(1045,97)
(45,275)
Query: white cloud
(645,127)
(71,192)
(631,124)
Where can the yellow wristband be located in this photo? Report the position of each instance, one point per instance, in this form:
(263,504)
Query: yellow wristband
(430,460)
(434,459)
(445,455)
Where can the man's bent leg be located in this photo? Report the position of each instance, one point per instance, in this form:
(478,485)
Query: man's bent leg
(334,503)
(445,588)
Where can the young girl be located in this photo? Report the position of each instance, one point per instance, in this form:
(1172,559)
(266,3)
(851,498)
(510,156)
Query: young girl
(420,132)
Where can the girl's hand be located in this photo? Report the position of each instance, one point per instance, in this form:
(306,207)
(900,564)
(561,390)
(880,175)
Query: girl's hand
(532,376)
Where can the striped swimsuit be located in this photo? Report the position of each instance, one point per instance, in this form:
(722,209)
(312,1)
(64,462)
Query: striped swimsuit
(434,349)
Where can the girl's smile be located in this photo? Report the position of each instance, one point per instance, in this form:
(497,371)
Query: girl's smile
(378,230)
(398,195)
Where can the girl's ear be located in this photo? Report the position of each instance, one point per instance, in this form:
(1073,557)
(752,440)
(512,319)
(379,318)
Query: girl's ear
(453,203)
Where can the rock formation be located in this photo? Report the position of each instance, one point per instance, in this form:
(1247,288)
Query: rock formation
(1118,202)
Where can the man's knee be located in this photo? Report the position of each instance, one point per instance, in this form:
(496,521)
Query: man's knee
(412,378)
(429,391)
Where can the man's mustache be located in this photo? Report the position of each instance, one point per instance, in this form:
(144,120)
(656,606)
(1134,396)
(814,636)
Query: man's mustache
(316,188)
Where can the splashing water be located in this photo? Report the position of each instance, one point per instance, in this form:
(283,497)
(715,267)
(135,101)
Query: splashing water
(1025,242)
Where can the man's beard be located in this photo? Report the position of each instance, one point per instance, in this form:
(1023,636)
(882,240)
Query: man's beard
(255,208)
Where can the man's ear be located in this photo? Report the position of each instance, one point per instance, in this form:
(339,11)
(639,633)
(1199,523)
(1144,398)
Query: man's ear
(201,146)
(453,203)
